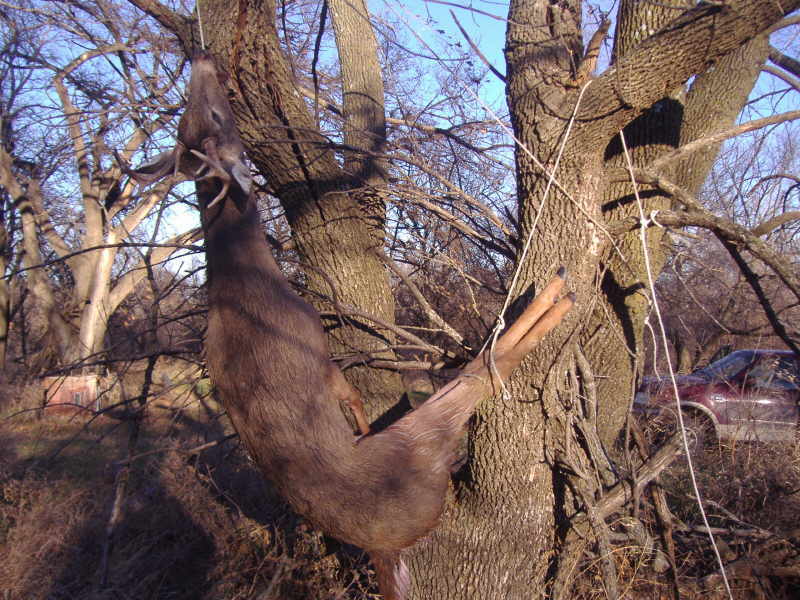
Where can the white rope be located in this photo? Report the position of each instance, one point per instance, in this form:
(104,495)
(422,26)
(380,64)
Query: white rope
(643,235)
(200,25)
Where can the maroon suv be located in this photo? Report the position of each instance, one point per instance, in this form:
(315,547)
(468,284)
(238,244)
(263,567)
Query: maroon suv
(748,395)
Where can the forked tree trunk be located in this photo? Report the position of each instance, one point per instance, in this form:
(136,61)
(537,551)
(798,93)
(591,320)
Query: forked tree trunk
(612,340)
(502,536)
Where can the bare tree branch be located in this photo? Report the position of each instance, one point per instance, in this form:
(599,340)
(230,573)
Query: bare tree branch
(710,140)
(477,50)
(730,231)
(785,62)
(432,315)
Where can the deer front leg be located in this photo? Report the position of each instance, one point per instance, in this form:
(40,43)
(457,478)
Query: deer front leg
(349,399)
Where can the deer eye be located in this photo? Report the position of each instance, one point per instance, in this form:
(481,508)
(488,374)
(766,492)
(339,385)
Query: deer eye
(217,117)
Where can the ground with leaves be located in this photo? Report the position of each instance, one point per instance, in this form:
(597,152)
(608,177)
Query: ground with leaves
(192,526)
(206,525)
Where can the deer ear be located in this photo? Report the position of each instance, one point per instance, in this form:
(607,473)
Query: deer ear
(240,190)
(160,166)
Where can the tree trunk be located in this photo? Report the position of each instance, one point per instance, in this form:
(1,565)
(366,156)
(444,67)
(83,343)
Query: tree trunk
(94,320)
(59,337)
(509,513)
(5,288)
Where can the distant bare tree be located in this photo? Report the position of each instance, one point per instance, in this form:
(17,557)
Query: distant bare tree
(62,114)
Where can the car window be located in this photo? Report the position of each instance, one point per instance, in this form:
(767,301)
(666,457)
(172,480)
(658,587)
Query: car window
(787,374)
(727,367)
(774,372)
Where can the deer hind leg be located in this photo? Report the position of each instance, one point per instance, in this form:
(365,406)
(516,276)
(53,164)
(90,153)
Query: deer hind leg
(530,317)
(394,580)
(543,313)
(512,357)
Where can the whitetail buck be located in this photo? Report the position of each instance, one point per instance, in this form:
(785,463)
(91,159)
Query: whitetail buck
(268,357)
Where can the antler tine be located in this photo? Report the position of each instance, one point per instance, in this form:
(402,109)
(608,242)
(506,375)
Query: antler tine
(214,170)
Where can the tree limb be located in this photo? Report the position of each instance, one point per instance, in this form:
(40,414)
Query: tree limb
(685,47)
(158,254)
(710,140)
(753,280)
(775,222)
(182,26)
(432,315)
(785,77)
(618,495)
(785,62)
(477,50)
(728,230)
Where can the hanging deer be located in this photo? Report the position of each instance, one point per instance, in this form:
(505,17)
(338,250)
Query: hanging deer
(268,357)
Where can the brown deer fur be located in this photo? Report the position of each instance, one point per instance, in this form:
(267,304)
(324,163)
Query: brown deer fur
(268,357)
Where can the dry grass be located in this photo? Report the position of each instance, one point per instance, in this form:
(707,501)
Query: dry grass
(192,526)
(751,494)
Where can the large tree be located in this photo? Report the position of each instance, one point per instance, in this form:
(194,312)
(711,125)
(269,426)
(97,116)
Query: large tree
(533,450)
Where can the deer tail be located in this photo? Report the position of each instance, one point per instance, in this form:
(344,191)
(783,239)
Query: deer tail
(393,576)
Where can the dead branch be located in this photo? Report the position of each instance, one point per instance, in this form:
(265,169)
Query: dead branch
(754,282)
(660,504)
(173,246)
(421,199)
(477,50)
(618,495)
(182,450)
(432,315)
(589,61)
(764,560)
(792,65)
(728,230)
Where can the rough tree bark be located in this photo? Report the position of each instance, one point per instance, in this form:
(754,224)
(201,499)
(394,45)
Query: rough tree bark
(612,340)
(501,537)
(5,288)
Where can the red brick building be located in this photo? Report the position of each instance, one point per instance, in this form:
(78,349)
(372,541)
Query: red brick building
(71,393)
